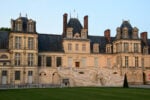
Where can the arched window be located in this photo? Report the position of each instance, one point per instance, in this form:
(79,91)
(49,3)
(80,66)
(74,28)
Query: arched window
(3,56)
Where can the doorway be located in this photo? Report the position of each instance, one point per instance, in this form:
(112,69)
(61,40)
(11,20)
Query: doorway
(77,64)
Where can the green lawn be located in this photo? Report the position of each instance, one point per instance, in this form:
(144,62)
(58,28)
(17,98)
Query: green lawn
(83,93)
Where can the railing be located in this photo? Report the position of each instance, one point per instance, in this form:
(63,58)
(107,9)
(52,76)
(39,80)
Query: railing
(139,86)
(30,86)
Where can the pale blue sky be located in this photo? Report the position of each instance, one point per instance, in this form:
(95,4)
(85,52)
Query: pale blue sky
(103,14)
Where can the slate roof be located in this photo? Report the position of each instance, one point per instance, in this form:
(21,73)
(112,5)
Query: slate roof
(101,41)
(128,25)
(4,39)
(50,43)
(75,24)
(53,43)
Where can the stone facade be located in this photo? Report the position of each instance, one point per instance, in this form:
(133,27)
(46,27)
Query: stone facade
(74,58)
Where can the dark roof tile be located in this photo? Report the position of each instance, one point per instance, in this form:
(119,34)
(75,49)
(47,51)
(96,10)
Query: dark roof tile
(4,39)
(50,42)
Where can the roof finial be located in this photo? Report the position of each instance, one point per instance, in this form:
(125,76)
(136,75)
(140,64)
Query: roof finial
(26,15)
(74,12)
(70,14)
(77,15)
(20,14)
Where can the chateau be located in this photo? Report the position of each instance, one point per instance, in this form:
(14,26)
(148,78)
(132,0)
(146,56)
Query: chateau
(73,58)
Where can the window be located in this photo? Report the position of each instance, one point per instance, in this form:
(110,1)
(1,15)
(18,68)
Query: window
(83,62)
(4,64)
(126,47)
(69,47)
(30,73)
(77,64)
(69,35)
(58,61)
(70,60)
(39,60)
(77,47)
(108,50)
(18,42)
(30,59)
(84,35)
(30,43)
(83,47)
(126,61)
(17,59)
(19,28)
(4,73)
(118,47)
(96,48)
(136,47)
(30,27)
(17,75)
(96,62)
(48,61)
(136,62)
(145,50)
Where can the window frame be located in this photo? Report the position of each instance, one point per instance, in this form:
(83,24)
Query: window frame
(17,75)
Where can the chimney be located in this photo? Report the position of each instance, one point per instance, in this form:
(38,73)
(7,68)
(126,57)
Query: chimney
(65,24)
(144,37)
(107,35)
(12,25)
(86,22)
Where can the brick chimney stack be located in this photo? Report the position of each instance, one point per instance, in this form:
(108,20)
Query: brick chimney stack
(86,22)
(144,37)
(65,24)
(107,35)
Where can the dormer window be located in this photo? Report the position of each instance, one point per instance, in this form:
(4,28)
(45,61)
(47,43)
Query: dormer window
(125,32)
(135,33)
(118,33)
(69,32)
(84,33)
(22,24)
(18,26)
(145,50)
(30,27)
(96,48)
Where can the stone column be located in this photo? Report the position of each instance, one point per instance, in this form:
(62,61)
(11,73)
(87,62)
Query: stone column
(122,47)
(13,42)
(139,48)
(53,61)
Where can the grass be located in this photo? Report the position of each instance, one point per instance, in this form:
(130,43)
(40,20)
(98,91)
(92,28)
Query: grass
(81,93)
